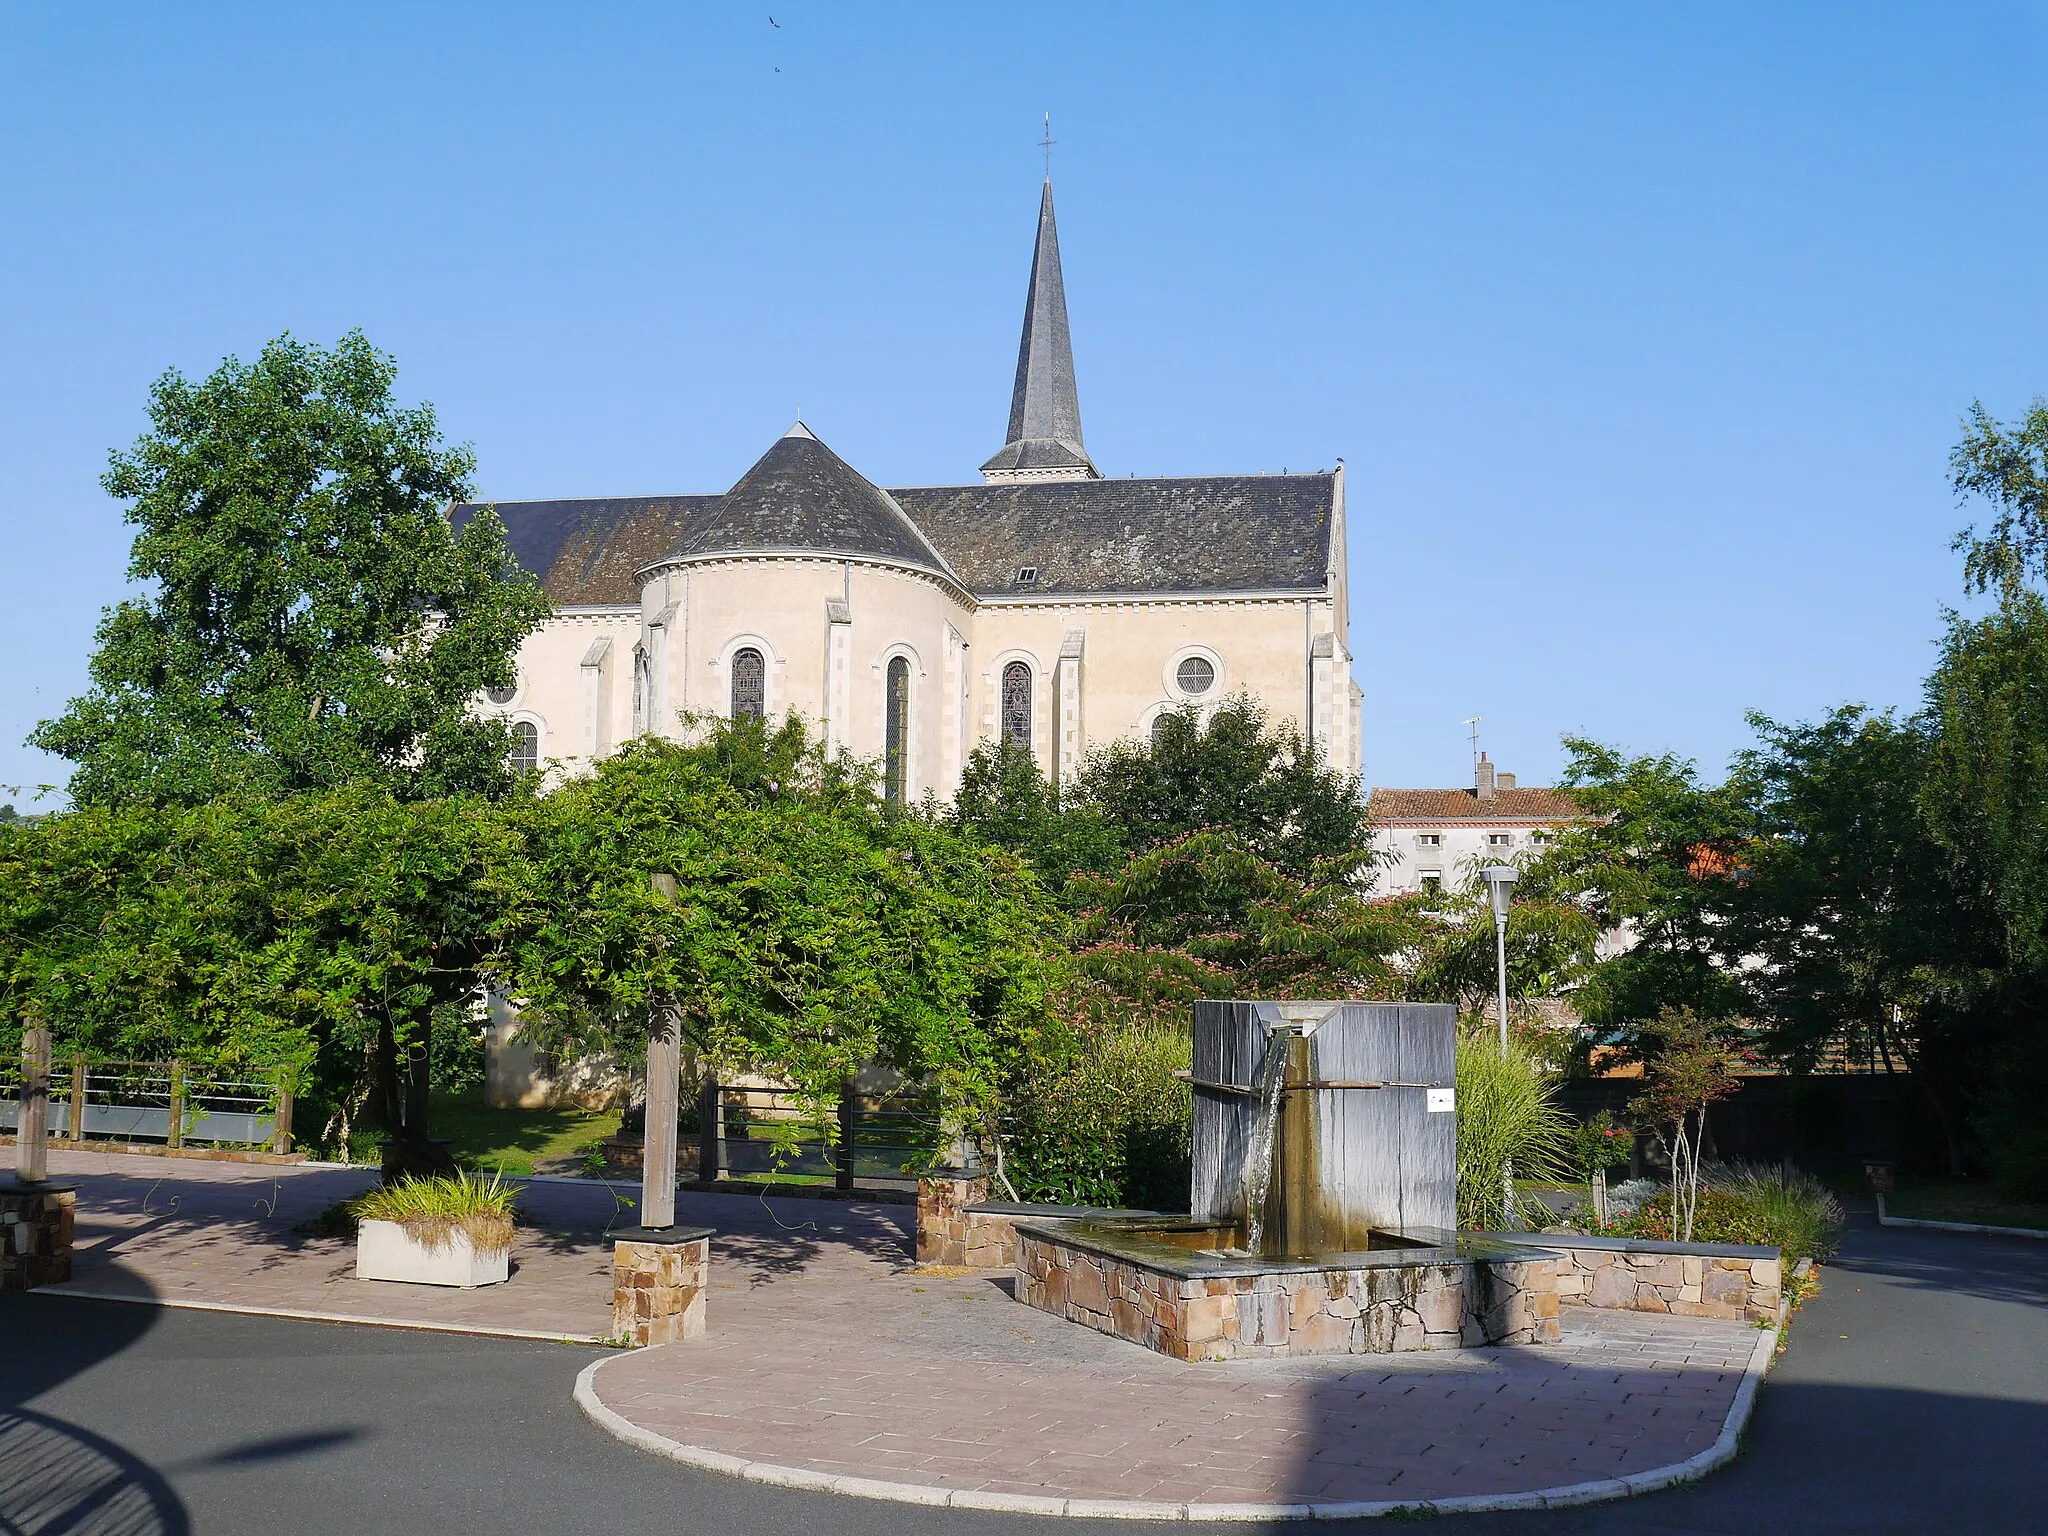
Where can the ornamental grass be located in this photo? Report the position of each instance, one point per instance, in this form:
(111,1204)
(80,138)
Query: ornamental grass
(433,1210)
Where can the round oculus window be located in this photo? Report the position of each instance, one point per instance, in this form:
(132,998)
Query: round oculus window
(501,695)
(1196,675)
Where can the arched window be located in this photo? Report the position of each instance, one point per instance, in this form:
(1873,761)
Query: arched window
(525,746)
(749,684)
(1160,725)
(896,733)
(1017,705)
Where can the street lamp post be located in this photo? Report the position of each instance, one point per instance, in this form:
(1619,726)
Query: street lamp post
(1500,889)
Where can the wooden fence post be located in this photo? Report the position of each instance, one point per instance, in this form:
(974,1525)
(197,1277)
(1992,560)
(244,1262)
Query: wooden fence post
(177,1136)
(77,1125)
(849,1113)
(710,1129)
(32,1131)
(281,1131)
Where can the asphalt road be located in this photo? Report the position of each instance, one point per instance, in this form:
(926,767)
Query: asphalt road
(1913,1398)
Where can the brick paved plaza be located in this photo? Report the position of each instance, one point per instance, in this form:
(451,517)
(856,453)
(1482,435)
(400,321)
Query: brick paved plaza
(828,1350)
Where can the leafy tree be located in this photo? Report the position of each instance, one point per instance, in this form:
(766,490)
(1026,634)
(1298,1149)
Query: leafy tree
(2007,465)
(1654,858)
(1266,785)
(811,931)
(309,618)
(1005,801)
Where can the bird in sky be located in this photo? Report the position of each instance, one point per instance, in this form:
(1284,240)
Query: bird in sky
(774,23)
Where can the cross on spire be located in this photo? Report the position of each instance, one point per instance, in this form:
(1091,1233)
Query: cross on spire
(1046,144)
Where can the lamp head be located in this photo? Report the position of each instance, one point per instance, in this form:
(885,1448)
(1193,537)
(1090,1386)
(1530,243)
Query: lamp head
(1500,888)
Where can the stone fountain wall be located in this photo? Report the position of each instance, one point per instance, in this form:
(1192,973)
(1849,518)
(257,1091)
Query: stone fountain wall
(1377,1310)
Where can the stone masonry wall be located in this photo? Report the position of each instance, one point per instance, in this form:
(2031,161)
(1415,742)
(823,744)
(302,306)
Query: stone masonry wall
(948,1235)
(658,1290)
(1686,1284)
(1357,1311)
(35,1237)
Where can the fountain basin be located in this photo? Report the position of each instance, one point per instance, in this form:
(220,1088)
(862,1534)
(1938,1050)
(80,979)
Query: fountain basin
(1175,1285)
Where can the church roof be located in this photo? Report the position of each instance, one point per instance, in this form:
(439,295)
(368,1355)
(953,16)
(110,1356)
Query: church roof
(1045,404)
(800,495)
(1206,533)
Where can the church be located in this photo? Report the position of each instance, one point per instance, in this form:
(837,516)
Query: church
(1045,604)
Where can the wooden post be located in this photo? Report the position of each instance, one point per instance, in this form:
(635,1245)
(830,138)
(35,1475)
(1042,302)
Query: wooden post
(1600,1197)
(710,1129)
(177,1137)
(32,1132)
(281,1132)
(664,1087)
(849,1113)
(77,1125)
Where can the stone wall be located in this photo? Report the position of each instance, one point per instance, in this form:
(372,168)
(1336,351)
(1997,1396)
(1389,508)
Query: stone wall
(1375,1310)
(1688,1279)
(948,1234)
(658,1286)
(35,1236)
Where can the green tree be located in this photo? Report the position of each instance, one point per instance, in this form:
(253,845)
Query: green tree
(1235,770)
(308,619)
(2007,465)
(1005,801)
(811,932)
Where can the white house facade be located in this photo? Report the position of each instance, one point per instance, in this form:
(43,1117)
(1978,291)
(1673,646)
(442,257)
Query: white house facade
(1043,604)
(1437,838)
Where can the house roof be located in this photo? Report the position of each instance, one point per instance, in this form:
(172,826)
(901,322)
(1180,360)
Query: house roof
(1210,533)
(1386,805)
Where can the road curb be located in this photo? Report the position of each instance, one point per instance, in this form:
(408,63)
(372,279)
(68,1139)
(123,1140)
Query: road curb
(1719,1454)
(301,1315)
(1883,1220)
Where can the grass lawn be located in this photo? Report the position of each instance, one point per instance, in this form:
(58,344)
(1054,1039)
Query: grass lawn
(511,1139)
(1968,1200)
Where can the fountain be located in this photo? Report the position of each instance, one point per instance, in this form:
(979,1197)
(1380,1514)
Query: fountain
(1323,1212)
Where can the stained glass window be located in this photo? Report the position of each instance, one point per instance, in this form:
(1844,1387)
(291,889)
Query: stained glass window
(1017,705)
(896,734)
(749,684)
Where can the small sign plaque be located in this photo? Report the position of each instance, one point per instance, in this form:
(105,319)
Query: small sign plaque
(1442,1100)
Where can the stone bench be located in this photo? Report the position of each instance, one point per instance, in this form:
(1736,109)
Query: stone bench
(1686,1279)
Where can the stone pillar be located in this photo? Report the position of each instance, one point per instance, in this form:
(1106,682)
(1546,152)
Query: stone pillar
(942,1200)
(36,1223)
(1070,741)
(658,1284)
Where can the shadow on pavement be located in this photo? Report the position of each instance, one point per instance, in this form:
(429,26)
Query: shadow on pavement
(56,1476)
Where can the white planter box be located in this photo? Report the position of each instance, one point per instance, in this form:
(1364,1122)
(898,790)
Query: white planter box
(384,1252)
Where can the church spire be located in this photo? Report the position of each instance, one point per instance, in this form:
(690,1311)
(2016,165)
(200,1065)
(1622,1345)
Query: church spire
(1045,407)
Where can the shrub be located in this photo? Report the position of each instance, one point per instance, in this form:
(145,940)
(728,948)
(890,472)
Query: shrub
(1759,1206)
(1505,1112)
(433,1210)
(1598,1143)
(1097,1117)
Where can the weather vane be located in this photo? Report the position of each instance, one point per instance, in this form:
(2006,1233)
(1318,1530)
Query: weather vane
(1046,144)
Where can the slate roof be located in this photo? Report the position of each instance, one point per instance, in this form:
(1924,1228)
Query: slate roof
(1045,404)
(1465,805)
(590,552)
(1208,533)
(800,495)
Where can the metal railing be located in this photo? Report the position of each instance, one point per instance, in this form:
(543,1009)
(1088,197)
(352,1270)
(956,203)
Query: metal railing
(154,1101)
(876,1141)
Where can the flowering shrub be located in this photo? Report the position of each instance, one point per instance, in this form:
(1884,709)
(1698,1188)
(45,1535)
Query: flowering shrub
(1598,1143)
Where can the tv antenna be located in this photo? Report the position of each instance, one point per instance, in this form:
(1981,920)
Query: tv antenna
(1473,721)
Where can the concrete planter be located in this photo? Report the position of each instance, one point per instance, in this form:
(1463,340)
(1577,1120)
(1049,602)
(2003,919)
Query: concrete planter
(385,1252)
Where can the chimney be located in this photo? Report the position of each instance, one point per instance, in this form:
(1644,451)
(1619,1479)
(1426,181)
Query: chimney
(1503,781)
(1482,778)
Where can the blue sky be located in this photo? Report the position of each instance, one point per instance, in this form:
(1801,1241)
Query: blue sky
(1644,336)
